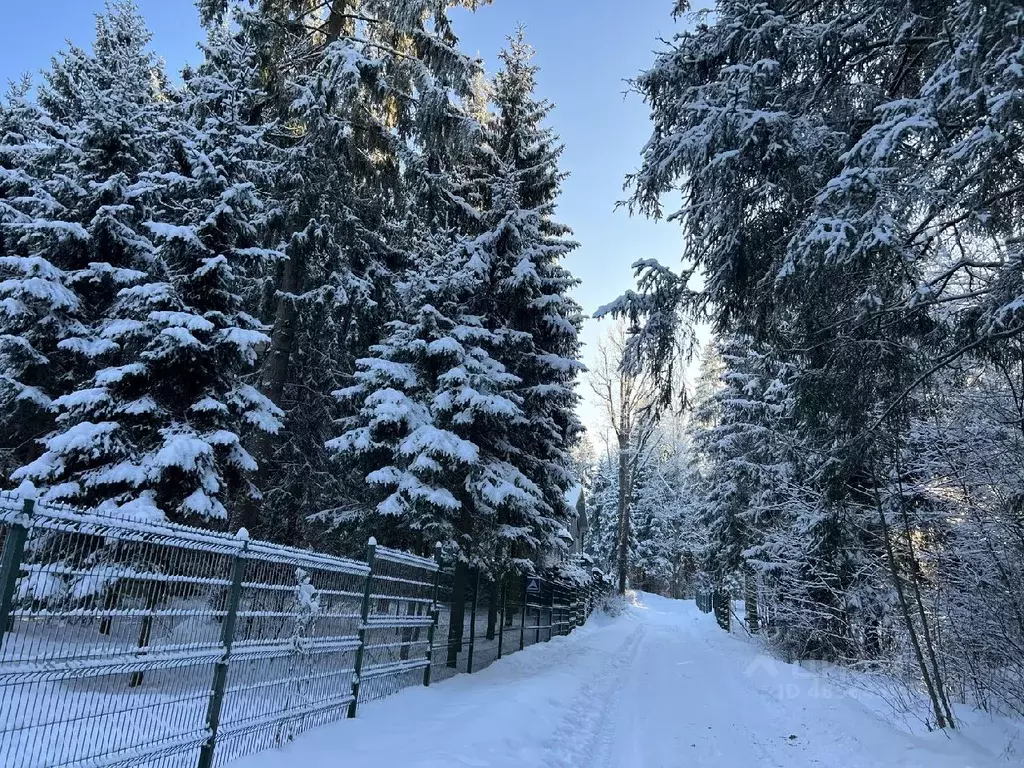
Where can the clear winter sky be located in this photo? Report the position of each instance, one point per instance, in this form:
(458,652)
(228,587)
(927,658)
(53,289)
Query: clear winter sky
(586,50)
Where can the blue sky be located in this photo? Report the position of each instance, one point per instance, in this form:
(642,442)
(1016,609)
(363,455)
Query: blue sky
(586,49)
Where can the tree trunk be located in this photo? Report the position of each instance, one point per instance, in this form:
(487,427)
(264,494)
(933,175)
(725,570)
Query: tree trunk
(750,601)
(940,688)
(722,606)
(273,379)
(457,623)
(940,717)
(338,20)
(282,340)
(623,511)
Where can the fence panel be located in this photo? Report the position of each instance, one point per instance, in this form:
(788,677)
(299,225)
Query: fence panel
(135,643)
(513,627)
(534,608)
(396,637)
(293,648)
(112,642)
(485,634)
(444,644)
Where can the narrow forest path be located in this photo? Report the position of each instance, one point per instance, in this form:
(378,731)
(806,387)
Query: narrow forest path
(659,687)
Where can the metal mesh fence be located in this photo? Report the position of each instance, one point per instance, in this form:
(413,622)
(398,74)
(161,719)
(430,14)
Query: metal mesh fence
(292,647)
(132,643)
(110,638)
(399,619)
(445,647)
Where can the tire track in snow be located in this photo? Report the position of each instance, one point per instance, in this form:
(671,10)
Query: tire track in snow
(584,737)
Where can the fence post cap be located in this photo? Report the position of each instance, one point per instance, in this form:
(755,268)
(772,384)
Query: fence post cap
(27,491)
(372,542)
(243,534)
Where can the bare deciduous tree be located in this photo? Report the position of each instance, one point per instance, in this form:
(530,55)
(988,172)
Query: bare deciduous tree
(630,402)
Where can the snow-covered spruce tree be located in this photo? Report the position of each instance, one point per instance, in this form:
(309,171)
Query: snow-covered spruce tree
(209,230)
(37,307)
(360,90)
(105,108)
(737,429)
(722,425)
(603,510)
(524,287)
(653,549)
(687,536)
(771,532)
(743,123)
(152,427)
(499,266)
(433,433)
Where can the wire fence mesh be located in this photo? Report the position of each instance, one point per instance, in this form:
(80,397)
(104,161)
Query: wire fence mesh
(132,643)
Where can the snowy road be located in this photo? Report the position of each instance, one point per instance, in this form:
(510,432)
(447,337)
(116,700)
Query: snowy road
(660,687)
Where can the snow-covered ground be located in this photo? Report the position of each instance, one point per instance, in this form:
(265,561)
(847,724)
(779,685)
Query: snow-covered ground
(658,687)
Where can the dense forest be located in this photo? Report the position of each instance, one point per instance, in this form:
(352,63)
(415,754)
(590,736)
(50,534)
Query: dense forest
(312,286)
(852,198)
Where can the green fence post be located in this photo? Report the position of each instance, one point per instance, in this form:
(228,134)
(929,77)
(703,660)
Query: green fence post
(501,625)
(540,612)
(435,614)
(551,612)
(576,619)
(10,560)
(522,619)
(574,609)
(567,610)
(472,623)
(145,631)
(493,605)
(555,610)
(227,639)
(571,614)
(364,615)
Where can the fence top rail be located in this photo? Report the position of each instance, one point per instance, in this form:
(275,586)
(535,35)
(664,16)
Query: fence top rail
(61,517)
(74,520)
(265,550)
(397,556)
